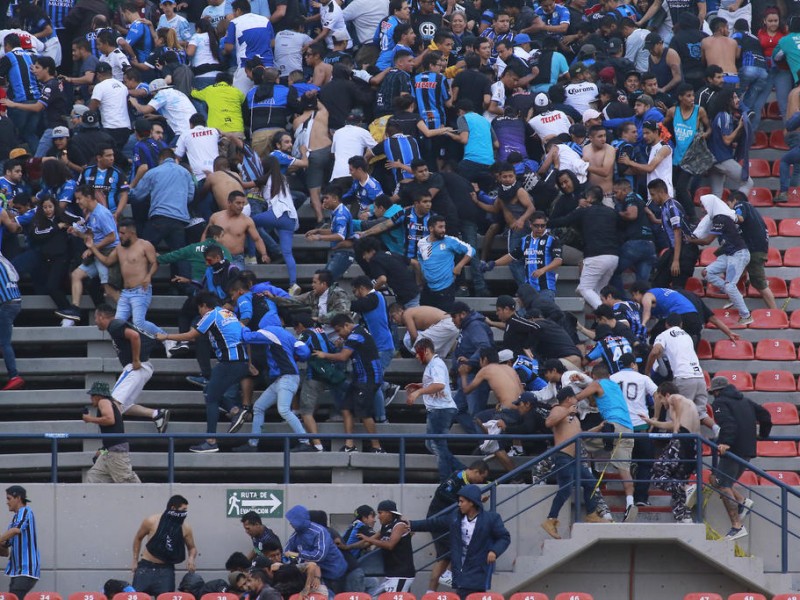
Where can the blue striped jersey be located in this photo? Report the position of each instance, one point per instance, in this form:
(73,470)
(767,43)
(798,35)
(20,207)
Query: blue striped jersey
(537,253)
(15,66)
(224,331)
(431,91)
(610,349)
(57,10)
(673,217)
(367,367)
(401,148)
(23,558)
(415,227)
(630,311)
(111,182)
(145,152)
(283,349)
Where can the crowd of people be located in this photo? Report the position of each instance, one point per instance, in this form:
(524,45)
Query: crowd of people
(191,134)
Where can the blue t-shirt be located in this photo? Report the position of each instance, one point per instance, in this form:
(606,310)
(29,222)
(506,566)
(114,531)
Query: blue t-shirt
(365,192)
(670,301)
(140,39)
(612,405)
(101,222)
(437,260)
(341,223)
(225,334)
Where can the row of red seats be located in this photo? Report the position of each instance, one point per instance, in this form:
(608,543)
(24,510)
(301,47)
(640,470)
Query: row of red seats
(749,478)
(767,349)
(739,596)
(774,140)
(776,284)
(342,596)
(763,318)
(765,381)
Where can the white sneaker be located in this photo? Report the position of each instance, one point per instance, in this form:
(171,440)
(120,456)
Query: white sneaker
(294,290)
(67,323)
(447,578)
(250,260)
(691,495)
(169,345)
(745,508)
(735,534)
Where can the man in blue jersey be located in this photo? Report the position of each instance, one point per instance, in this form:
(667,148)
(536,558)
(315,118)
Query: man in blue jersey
(365,187)
(371,304)
(675,265)
(16,69)
(661,302)
(626,312)
(399,12)
(609,347)
(283,351)
(341,230)
(106,180)
(250,35)
(138,43)
(431,92)
(20,543)
(436,255)
(540,251)
(607,396)
(414,221)
(224,331)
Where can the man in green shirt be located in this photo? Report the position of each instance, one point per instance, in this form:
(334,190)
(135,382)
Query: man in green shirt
(224,104)
(193,253)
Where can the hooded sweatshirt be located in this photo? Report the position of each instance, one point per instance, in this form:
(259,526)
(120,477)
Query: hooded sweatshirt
(313,543)
(475,335)
(737,417)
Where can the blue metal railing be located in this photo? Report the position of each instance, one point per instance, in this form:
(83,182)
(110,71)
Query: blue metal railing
(403,439)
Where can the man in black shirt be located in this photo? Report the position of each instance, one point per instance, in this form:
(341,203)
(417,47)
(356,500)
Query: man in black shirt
(714,80)
(260,535)
(425,182)
(394,540)
(471,84)
(426,22)
(388,271)
(754,233)
(133,349)
(638,251)
(394,82)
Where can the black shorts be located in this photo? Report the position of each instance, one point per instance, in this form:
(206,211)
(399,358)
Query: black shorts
(360,400)
(728,471)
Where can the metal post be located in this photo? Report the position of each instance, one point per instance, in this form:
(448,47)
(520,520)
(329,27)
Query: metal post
(402,459)
(492,503)
(576,505)
(54,460)
(286,464)
(698,513)
(171,460)
(784,530)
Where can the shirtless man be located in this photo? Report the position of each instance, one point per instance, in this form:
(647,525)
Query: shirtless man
(154,571)
(319,153)
(502,379)
(222,182)
(563,421)
(323,72)
(137,263)
(426,322)
(719,49)
(601,157)
(237,226)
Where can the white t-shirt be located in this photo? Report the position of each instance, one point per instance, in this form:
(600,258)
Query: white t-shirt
(553,122)
(366,16)
(467,531)
(499,96)
(580,95)
(331,17)
(679,351)
(664,169)
(119,63)
(175,107)
(202,54)
(635,388)
(635,50)
(282,203)
(349,141)
(201,145)
(215,14)
(113,98)
(288,50)
(571,161)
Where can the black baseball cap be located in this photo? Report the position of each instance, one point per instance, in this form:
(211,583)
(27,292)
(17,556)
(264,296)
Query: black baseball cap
(103,67)
(506,301)
(17,491)
(388,506)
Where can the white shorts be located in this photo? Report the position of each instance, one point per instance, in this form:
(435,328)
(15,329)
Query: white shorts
(396,584)
(443,334)
(130,384)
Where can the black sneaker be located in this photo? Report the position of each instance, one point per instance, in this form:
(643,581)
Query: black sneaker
(643,503)
(376,450)
(348,449)
(237,420)
(246,448)
(180,350)
(161,420)
(204,448)
(390,393)
(631,513)
(304,448)
(73,313)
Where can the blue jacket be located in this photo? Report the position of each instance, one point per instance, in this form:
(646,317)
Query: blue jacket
(314,544)
(475,335)
(470,571)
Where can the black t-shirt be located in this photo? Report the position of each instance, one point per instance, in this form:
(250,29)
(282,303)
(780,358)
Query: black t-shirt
(426,27)
(55,103)
(551,341)
(687,44)
(473,85)
(638,229)
(116,329)
(398,276)
(399,561)
(728,233)
(441,201)
(518,335)
(292,12)
(753,228)
(407,123)
(459,190)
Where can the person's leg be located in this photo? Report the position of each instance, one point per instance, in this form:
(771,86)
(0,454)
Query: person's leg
(287,387)
(737,263)
(438,423)
(223,376)
(267,399)
(310,392)
(8,313)
(128,388)
(517,267)
(21,585)
(57,270)
(627,260)
(99,473)
(469,233)
(716,270)
(757,274)
(338,263)
(597,272)
(463,416)
(717,179)
(788,159)
(564,472)
(120,468)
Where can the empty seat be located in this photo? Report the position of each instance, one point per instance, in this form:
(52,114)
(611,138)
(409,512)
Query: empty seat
(791,258)
(728,350)
(775,381)
(729,316)
(759,168)
(760,196)
(760,141)
(794,322)
(527,596)
(741,380)
(792,198)
(772,226)
(794,288)
(713,291)
(702,596)
(694,285)
(787,477)
(481,596)
(439,596)
(228,596)
(773,111)
(776,449)
(775,349)
(748,478)
(42,596)
(776,284)
(87,596)
(774,258)
(707,256)
(704,350)
(747,595)
(769,318)
(574,596)
(341,596)
(397,596)
(782,413)
(702,191)
(777,141)
(790,596)
(789,228)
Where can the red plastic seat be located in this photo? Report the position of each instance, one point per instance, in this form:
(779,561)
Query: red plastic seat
(702,596)
(789,228)
(439,596)
(791,258)
(132,596)
(776,284)
(775,349)
(188,596)
(527,596)
(760,141)
(479,596)
(707,377)
(792,596)
(760,196)
(776,140)
(707,255)
(87,596)
(794,322)
(748,478)
(728,350)
(776,168)
(341,596)
(774,258)
(312,596)
(741,380)
(397,596)
(746,596)
(730,317)
(772,226)
(792,198)
(702,191)
(769,318)
(777,449)
(704,350)
(775,381)
(759,168)
(694,285)
(713,291)
(787,477)
(227,596)
(574,596)
(794,288)
(43,596)
(782,413)
(8,596)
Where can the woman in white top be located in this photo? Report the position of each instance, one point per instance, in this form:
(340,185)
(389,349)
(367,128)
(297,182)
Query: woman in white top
(203,51)
(281,215)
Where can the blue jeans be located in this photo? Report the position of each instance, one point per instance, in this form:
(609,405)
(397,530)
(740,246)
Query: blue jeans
(752,82)
(565,478)
(639,255)
(282,390)
(788,160)
(27,123)
(285,227)
(45,143)
(517,267)
(469,233)
(438,423)
(779,79)
(223,376)
(338,263)
(380,409)
(413,302)
(8,313)
(470,404)
(136,301)
(731,266)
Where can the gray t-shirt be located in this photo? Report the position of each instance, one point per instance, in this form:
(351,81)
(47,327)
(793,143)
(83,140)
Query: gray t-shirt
(288,51)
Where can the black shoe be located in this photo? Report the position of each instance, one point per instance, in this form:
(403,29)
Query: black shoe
(390,393)
(348,449)
(181,350)
(376,450)
(73,313)
(161,420)
(237,420)
(246,448)
(304,448)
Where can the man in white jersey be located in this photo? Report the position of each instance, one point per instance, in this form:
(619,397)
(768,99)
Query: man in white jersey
(331,19)
(659,158)
(676,347)
(547,122)
(581,94)
(201,144)
(635,388)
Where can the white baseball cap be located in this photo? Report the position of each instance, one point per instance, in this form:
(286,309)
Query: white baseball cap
(590,114)
(541,100)
(60,132)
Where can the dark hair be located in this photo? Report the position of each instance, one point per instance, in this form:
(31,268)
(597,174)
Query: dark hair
(251,517)
(400,30)
(657,184)
(237,562)
(557,94)
(431,58)
(674,320)
(324,276)
(276,139)
(320,517)
(436,219)
(609,290)
(12,40)
(465,104)
(490,354)
(47,63)
(39,219)
(176,501)
(401,54)
(600,371)
(105,308)
(82,43)
(358,162)
(395,5)
(479,465)
(236,194)
(553,364)
(83,190)
(133,74)
(241,5)
(596,129)
(272,168)
(103,148)
(425,344)
(206,298)
(604,311)
(55,173)
(340,319)
(127,223)
(647,76)
(667,389)
(383,201)
(712,70)
(717,23)
(684,88)
(639,287)
(206,26)
(197,119)
(106,37)
(332,190)
(362,281)
(12,164)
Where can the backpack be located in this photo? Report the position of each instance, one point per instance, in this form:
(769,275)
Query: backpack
(182,78)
